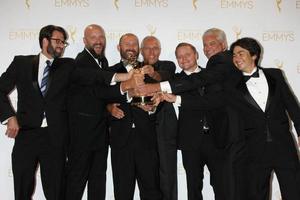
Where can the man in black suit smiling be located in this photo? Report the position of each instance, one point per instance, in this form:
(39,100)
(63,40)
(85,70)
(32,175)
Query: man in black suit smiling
(40,124)
(263,99)
(87,101)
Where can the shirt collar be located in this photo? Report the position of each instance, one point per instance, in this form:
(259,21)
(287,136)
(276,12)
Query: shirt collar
(249,74)
(43,58)
(197,69)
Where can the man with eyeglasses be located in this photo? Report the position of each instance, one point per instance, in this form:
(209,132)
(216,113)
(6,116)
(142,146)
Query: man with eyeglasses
(39,125)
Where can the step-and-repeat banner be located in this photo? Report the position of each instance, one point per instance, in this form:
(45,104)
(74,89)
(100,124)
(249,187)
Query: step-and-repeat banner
(275,23)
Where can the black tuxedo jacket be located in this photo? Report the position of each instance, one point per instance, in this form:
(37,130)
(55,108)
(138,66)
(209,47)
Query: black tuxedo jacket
(165,68)
(199,108)
(258,127)
(218,68)
(88,97)
(121,129)
(23,74)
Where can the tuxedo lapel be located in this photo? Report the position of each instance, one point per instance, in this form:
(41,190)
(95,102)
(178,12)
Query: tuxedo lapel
(241,87)
(35,70)
(272,86)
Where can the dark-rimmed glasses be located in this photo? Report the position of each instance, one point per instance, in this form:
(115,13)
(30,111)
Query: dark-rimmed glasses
(59,42)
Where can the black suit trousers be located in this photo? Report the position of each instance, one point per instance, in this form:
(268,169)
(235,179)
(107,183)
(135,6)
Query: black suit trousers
(167,149)
(31,149)
(194,161)
(87,166)
(133,163)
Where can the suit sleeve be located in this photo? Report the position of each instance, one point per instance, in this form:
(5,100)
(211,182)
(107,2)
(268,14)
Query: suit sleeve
(87,77)
(109,93)
(290,102)
(7,84)
(167,71)
(194,81)
(213,99)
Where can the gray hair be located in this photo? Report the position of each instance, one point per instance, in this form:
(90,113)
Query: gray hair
(220,35)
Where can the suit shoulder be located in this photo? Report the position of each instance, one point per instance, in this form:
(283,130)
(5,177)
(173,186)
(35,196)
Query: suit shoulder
(24,57)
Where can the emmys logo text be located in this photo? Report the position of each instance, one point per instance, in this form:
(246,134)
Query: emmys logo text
(278,36)
(114,35)
(151,3)
(72,3)
(297,4)
(23,34)
(237,4)
(298,68)
(191,35)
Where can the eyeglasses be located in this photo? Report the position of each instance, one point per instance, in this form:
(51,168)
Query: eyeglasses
(59,41)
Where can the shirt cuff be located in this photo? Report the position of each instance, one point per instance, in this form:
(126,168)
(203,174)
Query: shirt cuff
(165,86)
(113,80)
(178,101)
(5,121)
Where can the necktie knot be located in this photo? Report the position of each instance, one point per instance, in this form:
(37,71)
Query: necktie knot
(254,75)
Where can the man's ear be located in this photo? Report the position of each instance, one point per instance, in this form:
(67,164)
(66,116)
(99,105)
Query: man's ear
(118,47)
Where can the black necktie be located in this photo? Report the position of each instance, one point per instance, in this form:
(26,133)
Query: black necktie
(254,75)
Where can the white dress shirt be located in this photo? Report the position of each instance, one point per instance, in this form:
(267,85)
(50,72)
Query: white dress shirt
(258,88)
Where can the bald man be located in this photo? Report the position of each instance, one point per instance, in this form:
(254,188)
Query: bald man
(87,155)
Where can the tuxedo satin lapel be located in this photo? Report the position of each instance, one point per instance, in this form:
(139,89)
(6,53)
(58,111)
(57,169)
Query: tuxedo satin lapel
(272,85)
(246,94)
(35,69)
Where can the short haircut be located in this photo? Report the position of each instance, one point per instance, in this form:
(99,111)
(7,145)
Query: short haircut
(148,38)
(47,31)
(251,45)
(220,35)
(185,44)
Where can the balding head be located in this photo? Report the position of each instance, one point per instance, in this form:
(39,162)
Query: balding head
(150,49)
(94,40)
(128,46)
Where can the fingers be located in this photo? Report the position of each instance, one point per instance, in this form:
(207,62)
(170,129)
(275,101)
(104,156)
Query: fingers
(116,111)
(169,97)
(12,127)
(147,69)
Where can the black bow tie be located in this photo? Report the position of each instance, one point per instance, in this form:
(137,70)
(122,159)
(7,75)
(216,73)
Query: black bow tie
(254,75)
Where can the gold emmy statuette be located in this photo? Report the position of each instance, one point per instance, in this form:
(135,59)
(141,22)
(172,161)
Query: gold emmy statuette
(139,100)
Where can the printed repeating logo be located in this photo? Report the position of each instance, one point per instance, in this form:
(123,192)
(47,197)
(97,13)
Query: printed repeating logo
(189,34)
(297,4)
(27,4)
(278,5)
(116,4)
(278,36)
(237,31)
(151,3)
(194,3)
(237,4)
(71,3)
(23,34)
(151,29)
(114,35)
(278,63)
(298,68)
(72,30)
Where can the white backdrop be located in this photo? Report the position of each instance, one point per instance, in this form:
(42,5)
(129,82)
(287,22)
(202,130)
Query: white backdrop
(275,23)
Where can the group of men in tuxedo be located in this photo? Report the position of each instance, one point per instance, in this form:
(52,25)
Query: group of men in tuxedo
(216,116)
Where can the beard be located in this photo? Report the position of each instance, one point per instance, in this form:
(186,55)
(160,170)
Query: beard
(53,52)
(94,53)
(129,54)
